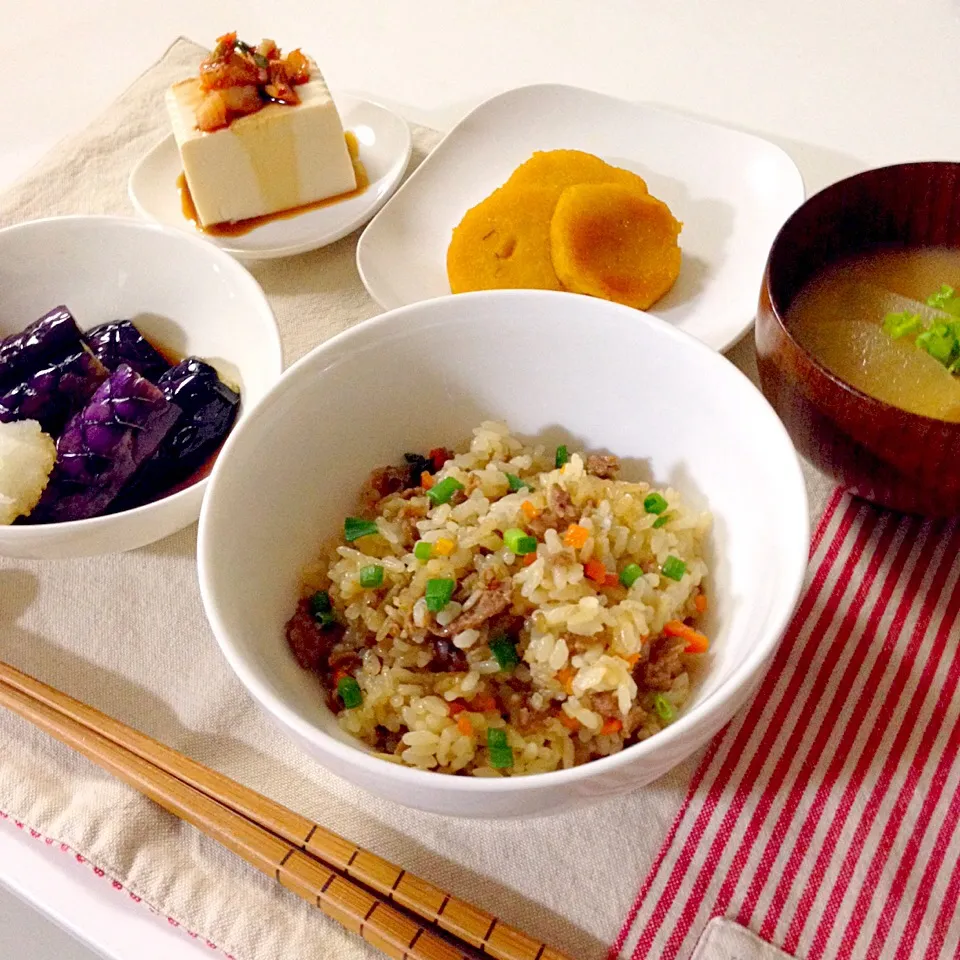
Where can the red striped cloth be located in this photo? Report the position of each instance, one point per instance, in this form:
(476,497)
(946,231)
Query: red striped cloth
(824,817)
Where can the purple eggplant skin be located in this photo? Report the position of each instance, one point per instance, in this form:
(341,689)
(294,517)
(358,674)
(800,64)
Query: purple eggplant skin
(103,445)
(55,392)
(209,410)
(55,334)
(121,342)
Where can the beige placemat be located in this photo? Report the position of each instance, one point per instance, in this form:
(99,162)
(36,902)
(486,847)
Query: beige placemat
(127,634)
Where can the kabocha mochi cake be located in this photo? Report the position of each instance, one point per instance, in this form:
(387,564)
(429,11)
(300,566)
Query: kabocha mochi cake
(258,133)
(567,220)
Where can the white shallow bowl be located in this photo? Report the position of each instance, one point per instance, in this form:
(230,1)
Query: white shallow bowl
(553,365)
(184,294)
(732,190)
(385,144)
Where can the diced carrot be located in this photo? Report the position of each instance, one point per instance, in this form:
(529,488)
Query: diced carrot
(633,659)
(576,536)
(611,580)
(528,558)
(571,723)
(464,725)
(565,676)
(455,707)
(443,547)
(484,703)
(595,571)
(696,641)
(529,510)
(697,644)
(612,725)
(339,675)
(700,602)
(426,480)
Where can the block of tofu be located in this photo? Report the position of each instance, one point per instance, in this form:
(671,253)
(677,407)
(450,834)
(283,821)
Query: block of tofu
(278,158)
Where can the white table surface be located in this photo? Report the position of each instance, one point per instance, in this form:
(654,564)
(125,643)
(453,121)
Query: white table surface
(841,84)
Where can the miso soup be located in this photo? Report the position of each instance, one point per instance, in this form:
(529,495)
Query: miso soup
(913,360)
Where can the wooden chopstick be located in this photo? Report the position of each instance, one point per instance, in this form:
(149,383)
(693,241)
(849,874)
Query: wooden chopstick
(308,859)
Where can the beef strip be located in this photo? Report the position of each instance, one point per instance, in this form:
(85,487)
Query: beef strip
(388,740)
(664,665)
(560,513)
(344,661)
(381,483)
(604,466)
(634,720)
(310,644)
(446,657)
(495,599)
(605,704)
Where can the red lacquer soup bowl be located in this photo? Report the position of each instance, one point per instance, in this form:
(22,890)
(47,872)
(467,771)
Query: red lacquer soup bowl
(898,459)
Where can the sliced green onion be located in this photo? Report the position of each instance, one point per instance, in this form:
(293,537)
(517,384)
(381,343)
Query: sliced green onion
(438,593)
(444,490)
(349,692)
(630,574)
(562,456)
(372,576)
(501,756)
(496,737)
(939,341)
(320,603)
(662,521)
(504,649)
(674,568)
(519,542)
(899,325)
(945,299)
(516,483)
(654,503)
(322,610)
(422,550)
(663,708)
(356,527)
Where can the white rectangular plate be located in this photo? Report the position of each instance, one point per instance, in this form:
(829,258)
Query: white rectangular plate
(731,190)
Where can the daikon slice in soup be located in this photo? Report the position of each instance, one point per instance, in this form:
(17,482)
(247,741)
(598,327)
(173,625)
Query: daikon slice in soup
(887,322)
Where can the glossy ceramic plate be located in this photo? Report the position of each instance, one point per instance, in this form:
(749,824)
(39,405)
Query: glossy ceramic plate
(385,144)
(732,191)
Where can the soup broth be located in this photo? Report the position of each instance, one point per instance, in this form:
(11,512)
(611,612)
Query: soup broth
(838,316)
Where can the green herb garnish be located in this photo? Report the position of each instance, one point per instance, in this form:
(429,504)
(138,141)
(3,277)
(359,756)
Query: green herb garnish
(630,574)
(322,609)
(945,299)
(940,342)
(519,542)
(501,756)
(422,550)
(505,651)
(674,568)
(899,325)
(444,490)
(663,708)
(372,576)
(438,593)
(516,484)
(654,503)
(349,692)
(356,527)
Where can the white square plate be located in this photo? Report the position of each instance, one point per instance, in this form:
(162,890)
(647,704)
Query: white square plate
(731,190)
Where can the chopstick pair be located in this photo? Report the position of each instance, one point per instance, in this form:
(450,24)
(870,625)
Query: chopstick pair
(352,886)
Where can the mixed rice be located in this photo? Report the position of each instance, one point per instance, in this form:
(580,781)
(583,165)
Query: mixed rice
(506,610)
